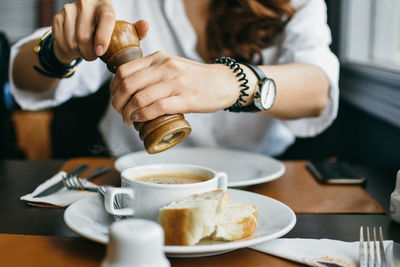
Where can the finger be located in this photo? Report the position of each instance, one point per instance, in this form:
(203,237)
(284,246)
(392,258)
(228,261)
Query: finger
(133,66)
(142,28)
(126,70)
(105,18)
(135,82)
(57,28)
(84,31)
(169,105)
(145,98)
(114,84)
(71,11)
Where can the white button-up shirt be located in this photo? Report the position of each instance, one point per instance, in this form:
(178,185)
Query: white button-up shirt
(305,39)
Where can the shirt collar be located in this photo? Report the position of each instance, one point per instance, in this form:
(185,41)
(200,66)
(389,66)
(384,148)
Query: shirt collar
(182,27)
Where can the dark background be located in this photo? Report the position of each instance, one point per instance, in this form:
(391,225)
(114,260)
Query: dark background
(356,136)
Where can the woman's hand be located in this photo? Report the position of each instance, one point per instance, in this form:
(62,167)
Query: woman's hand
(159,84)
(84,28)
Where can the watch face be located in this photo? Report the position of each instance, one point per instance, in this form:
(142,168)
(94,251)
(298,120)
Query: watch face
(267,94)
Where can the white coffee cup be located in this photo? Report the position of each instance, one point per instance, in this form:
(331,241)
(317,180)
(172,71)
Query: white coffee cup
(144,199)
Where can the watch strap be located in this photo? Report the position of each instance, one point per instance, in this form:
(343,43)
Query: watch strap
(260,76)
(257,71)
(262,79)
(50,65)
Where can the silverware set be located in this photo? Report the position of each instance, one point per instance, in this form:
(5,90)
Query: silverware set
(375,252)
(73,176)
(72,182)
(57,186)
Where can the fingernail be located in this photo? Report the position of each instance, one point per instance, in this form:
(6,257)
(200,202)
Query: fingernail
(99,50)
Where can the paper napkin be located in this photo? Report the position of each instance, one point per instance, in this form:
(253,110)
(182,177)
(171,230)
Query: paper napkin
(63,197)
(315,252)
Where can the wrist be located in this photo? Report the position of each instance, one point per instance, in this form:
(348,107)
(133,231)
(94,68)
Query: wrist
(264,93)
(50,65)
(60,55)
(251,83)
(241,104)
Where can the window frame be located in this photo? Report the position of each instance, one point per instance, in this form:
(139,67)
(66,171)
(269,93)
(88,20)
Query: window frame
(372,89)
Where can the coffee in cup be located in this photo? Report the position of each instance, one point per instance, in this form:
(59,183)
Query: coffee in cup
(147,188)
(173,178)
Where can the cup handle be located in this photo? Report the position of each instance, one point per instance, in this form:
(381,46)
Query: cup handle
(109,198)
(222,180)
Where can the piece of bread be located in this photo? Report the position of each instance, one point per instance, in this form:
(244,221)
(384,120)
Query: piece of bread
(235,222)
(206,216)
(187,221)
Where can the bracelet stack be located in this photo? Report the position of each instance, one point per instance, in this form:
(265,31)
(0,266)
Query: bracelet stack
(51,66)
(238,71)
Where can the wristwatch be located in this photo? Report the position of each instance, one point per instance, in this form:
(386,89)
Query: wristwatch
(50,66)
(265,93)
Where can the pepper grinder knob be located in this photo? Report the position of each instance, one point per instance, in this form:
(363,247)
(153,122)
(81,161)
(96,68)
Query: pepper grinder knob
(160,133)
(124,46)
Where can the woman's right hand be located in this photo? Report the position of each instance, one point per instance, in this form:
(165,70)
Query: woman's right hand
(83,29)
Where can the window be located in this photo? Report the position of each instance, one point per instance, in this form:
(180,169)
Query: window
(371,30)
(369,52)
(19,18)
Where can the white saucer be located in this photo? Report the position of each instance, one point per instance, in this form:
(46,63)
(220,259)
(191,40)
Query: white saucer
(243,168)
(88,218)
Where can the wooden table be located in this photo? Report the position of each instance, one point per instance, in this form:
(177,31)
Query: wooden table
(32,236)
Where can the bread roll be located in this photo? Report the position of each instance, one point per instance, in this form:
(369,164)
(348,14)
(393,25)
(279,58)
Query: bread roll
(206,215)
(187,221)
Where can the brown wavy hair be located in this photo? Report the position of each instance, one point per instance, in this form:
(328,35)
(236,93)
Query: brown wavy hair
(242,28)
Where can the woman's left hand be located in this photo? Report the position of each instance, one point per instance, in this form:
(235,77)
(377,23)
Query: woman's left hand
(160,84)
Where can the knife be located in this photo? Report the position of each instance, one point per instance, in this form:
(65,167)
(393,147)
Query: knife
(97,172)
(57,186)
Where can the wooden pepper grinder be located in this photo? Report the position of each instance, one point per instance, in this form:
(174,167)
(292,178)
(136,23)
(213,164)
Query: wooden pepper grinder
(158,134)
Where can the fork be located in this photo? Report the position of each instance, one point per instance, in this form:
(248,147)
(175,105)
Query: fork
(74,183)
(378,261)
(117,202)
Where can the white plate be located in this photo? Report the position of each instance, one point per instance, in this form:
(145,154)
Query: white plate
(88,218)
(243,168)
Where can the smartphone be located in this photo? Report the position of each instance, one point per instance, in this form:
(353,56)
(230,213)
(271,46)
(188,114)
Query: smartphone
(334,172)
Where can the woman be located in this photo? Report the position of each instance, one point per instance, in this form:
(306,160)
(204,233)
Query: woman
(289,41)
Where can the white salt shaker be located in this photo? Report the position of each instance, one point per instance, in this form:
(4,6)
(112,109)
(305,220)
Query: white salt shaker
(395,201)
(135,242)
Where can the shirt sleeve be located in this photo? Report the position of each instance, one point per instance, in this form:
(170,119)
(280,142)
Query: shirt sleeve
(87,79)
(306,39)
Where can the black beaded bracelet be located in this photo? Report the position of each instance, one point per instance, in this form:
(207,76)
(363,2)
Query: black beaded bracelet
(52,67)
(238,106)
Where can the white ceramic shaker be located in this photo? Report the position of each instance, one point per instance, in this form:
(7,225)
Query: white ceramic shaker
(135,242)
(395,201)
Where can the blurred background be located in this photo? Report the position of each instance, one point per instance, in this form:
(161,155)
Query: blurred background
(365,37)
